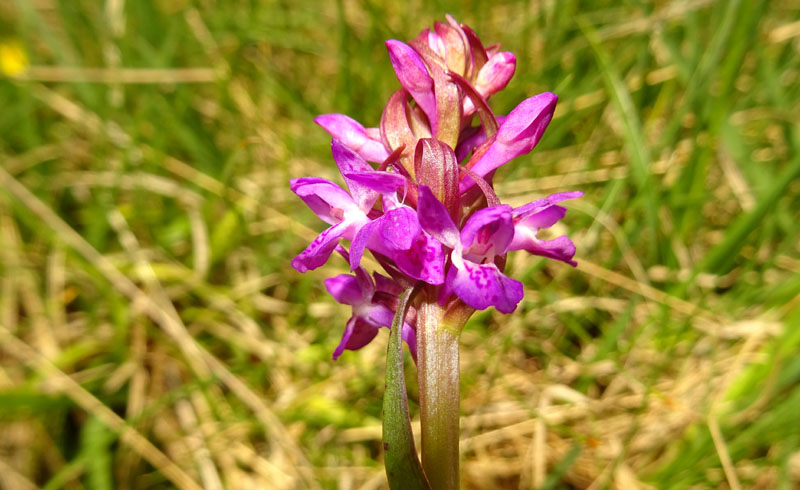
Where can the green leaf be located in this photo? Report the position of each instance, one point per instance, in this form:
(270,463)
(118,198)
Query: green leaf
(403,468)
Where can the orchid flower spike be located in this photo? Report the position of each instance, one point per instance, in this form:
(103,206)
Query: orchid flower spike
(419,192)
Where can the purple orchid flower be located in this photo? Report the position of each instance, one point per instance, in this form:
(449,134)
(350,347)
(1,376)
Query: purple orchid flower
(473,276)
(397,234)
(334,206)
(346,212)
(372,308)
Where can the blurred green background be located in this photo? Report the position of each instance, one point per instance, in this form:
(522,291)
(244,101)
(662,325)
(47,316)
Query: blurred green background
(153,334)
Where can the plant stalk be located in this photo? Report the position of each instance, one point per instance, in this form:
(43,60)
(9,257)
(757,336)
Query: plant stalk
(439,389)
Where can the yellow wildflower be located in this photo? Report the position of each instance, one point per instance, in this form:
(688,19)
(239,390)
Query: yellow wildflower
(13,58)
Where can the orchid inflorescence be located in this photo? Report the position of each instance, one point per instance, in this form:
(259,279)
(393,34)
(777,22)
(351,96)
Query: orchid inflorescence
(428,212)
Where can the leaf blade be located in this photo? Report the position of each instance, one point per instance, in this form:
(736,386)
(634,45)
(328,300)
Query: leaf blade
(403,468)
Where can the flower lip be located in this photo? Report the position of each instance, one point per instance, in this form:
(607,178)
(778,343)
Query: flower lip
(399,228)
(483,285)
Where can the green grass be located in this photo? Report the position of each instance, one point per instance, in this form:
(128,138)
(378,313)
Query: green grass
(153,334)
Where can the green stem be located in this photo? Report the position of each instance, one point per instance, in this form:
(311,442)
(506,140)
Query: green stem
(439,393)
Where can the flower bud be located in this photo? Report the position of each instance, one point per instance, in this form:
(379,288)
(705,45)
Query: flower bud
(496,73)
(414,77)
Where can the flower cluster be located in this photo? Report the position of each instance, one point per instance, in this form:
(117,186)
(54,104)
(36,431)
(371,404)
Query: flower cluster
(427,210)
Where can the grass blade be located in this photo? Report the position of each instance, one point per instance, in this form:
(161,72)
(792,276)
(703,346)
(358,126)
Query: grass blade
(720,258)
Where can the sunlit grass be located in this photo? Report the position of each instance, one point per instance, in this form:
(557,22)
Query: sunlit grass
(153,334)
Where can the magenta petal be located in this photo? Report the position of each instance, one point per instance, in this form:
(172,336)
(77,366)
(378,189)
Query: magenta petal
(414,77)
(487,233)
(357,334)
(350,162)
(434,218)
(424,260)
(379,181)
(326,199)
(518,135)
(318,252)
(399,228)
(345,289)
(354,136)
(483,285)
(360,242)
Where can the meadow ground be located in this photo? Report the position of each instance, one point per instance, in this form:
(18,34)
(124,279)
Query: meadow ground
(153,334)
